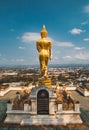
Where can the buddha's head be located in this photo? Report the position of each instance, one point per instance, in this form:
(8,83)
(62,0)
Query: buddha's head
(44,32)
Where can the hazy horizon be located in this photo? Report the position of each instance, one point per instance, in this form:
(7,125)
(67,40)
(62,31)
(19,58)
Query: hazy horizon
(50,65)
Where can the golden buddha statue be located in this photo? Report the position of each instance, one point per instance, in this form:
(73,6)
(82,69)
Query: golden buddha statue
(43,46)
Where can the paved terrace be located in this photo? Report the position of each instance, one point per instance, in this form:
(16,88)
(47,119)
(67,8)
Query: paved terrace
(84,101)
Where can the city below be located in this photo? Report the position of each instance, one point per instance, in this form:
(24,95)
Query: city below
(74,80)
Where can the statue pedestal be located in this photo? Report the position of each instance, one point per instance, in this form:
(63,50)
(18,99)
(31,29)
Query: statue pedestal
(46,81)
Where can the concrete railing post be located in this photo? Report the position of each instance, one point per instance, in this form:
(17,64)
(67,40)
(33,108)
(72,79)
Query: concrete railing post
(77,107)
(9,106)
(26,107)
(60,107)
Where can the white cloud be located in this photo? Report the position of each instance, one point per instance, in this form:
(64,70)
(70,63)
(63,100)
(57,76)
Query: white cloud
(28,37)
(82,56)
(17,60)
(21,48)
(76,31)
(55,58)
(84,23)
(79,48)
(33,37)
(86,9)
(65,44)
(86,39)
(67,57)
(20,60)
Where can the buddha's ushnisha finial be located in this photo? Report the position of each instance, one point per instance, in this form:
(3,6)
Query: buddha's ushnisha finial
(43,25)
(44,32)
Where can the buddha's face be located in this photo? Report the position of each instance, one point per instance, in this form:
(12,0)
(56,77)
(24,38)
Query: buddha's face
(43,35)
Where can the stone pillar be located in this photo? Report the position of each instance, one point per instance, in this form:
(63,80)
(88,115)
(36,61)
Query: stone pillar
(52,106)
(9,106)
(26,107)
(59,107)
(34,106)
(77,107)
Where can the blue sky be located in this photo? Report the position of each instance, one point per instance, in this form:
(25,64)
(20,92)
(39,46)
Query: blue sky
(67,23)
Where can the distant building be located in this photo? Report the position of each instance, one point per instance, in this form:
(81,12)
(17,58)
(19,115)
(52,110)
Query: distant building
(8,73)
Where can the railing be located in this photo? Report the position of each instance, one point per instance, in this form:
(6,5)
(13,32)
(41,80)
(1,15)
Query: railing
(83,91)
(10,88)
(3,92)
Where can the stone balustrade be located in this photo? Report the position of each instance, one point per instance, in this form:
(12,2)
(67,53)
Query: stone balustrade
(75,110)
(26,107)
(84,92)
(9,106)
(5,91)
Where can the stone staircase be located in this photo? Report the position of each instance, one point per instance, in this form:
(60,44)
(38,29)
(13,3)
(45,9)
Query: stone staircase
(42,120)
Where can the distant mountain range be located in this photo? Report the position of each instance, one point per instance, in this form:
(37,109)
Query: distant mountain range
(50,65)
